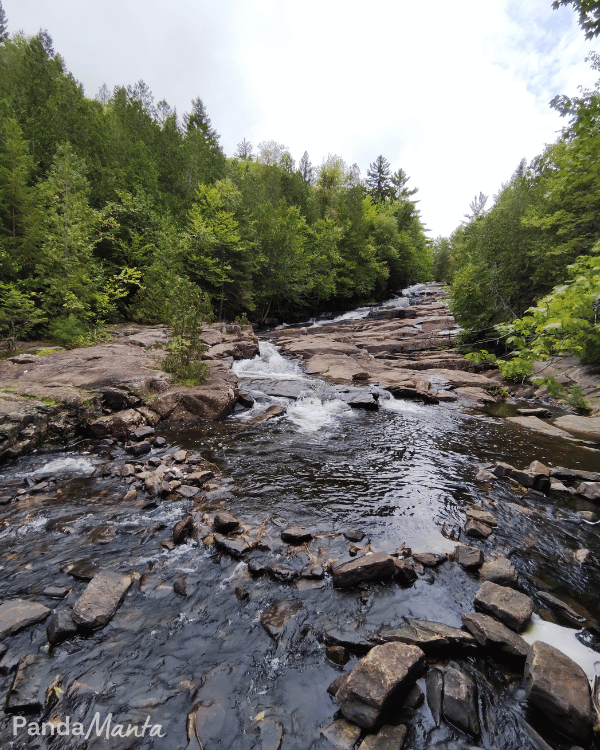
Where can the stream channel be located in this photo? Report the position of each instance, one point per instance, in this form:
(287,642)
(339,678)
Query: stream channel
(202,666)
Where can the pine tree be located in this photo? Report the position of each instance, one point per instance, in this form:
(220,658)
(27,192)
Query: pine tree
(379,179)
(3,23)
(244,150)
(306,168)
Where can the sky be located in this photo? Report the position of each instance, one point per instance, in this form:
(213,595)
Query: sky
(455,93)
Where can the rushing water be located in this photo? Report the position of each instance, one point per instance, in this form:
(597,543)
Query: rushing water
(404,473)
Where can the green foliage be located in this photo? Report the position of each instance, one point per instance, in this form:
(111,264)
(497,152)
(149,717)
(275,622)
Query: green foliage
(18,315)
(187,309)
(68,331)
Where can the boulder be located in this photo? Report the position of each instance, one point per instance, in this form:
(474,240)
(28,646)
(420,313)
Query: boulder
(16,614)
(275,617)
(387,738)
(589,490)
(559,688)
(183,530)
(430,559)
(470,558)
(342,734)
(271,412)
(492,634)
(500,571)
(370,567)
(477,529)
(404,573)
(378,680)
(430,637)
(101,599)
(61,626)
(118,424)
(460,701)
(511,607)
(234,547)
(483,516)
(225,522)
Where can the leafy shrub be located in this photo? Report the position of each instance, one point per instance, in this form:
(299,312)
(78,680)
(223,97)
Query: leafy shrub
(68,332)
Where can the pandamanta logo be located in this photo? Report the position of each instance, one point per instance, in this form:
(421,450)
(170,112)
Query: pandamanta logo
(96,727)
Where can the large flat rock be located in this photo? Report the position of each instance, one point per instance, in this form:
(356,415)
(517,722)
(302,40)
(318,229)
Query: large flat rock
(559,687)
(101,599)
(588,427)
(430,637)
(511,607)
(384,676)
(16,614)
(492,634)
(367,568)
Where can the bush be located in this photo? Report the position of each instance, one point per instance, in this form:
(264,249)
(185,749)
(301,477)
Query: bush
(68,332)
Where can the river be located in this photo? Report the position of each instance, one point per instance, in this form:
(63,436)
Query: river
(202,666)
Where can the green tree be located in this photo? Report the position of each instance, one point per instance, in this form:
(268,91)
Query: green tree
(589,15)
(18,315)
(379,183)
(3,24)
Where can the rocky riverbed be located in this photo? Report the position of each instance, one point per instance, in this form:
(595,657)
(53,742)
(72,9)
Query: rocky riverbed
(328,567)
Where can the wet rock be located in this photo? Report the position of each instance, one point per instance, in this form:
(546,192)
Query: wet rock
(198,478)
(180,586)
(434,682)
(186,491)
(139,449)
(56,592)
(500,571)
(337,684)
(588,516)
(460,701)
(275,617)
(282,573)
(430,559)
(26,693)
(224,523)
(180,456)
(354,535)
(337,654)
(141,433)
(483,516)
(430,637)
(485,475)
(502,469)
(387,738)
(160,442)
(492,634)
(271,412)
(510,607)
(558,686)
(258,566)
(83,570)
(382,677)
(245,399)
(183,530)
(234,547)
(101,599)
(314,571)
(241,594)
(61,626)
(404,572)
(562,473)
(342,734)
(540,412)
(477,529)
(451,531)
(589,490)
(470,558)
(557,604)
(378,565)
(117,424)
(295,535)
(16,614)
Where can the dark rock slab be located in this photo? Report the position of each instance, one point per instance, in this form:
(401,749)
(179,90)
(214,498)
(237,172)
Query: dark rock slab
(430,559)
(225,523)
(183,530)
(380,678)
(275,617)
(295,535)
(492,634)
(354,535)
(342,734)
(587,476)
(557,604)
(16,614)
(500,571)
(234,547)
(378,565)
(434,683)
(510,607)
(483,516)
(460,701)
(26,693)
(387,738)
(337,654)
(470,558)
(61,627)
(430,637)
(478,529)
(282,573)
(56,592)
(270,412)
(404,572)
(101,599)
(83,570)
(558,686)
(314,571)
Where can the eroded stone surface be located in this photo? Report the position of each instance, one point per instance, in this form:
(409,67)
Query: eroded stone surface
(367,568)
(101,599)
(492,634)
(511,607)
(16,614)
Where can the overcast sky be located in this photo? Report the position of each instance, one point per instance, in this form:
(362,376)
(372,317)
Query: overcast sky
(455,93)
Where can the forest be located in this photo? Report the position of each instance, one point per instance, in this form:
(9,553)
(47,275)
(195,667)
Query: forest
(113,208)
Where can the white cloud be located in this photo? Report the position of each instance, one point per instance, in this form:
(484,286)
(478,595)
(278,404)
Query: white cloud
(454,93)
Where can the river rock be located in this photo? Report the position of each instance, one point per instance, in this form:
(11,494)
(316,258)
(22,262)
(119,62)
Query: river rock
(271,412)
(61,626)
(314,572)
(470,558)
(379,679)
(282,573)
(369,567)
(502,469)
(225,522)
(16,614)
(500,571)
(492,634)
(587,426)
(404,572)
(275,617)
(483,516)
(430,637)
(118,424)
(26,693)
(434,682)
(337,654)
(183,530)
(477,529)
(342,734)
(354,535)
(141,433)
(511,607)
(559,687)
(460,701)
(234,547)
(562,473)
(101,599)
(295,535)
(387,738)
(589,490)
(430,559)
(555,603)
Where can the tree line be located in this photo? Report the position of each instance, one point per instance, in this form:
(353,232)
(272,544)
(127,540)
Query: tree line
(111,206)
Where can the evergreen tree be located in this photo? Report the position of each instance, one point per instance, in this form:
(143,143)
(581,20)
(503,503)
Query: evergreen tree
(306,168)
(379,180)
(3,23)
(244,150)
